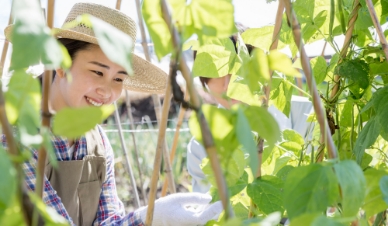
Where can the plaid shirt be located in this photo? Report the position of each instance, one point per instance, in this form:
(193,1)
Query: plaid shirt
(110,209)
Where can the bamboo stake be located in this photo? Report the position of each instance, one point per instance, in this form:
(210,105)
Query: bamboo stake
(348,37)
(118,4)
(379,30)
(156,101)
(208,141)
(46,115)
(182,112)
(5,49)
(158,154)
(132,126)
(128,163)
(274,45)
(321,116)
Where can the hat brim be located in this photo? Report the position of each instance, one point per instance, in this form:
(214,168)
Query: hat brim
(147,77)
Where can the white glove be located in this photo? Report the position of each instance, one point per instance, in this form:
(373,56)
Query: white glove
(183,209)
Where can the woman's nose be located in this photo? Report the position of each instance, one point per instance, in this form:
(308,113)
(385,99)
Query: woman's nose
(104,91)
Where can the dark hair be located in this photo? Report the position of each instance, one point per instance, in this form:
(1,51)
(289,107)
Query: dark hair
(73,47)
(241,28)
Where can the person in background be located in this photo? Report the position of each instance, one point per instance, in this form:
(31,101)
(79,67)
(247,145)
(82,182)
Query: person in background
(83,189)
(217,87)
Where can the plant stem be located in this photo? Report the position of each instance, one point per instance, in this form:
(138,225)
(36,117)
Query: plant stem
(321,116)
(156,101)
(5,49)
(160,146)
(331,21)
(348,37)
(342,18)
(352,130)
(118,4)
(131,123)
(46,115)
(195,102)
(339,128)
(128,163)
(379,30)
(181,115)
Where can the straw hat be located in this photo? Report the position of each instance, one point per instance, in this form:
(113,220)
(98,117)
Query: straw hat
(147,77)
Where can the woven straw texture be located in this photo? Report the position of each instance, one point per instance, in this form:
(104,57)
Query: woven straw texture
(147,77)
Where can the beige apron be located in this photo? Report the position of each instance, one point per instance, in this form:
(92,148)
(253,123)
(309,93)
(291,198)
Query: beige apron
(78,182)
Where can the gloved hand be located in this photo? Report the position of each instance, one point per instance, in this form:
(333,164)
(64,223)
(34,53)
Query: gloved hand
(183,209)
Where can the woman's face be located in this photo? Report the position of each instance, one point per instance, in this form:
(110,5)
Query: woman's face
(218,88)
(94,81)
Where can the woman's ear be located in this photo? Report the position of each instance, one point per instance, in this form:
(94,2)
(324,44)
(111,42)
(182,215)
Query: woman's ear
(60,73)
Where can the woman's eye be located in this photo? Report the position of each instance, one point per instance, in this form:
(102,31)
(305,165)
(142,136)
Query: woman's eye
(99,73)
(118,79)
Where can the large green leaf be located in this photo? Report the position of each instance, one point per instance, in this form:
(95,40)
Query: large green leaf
(73,123)
(266,193)
(374,200)
(353,186)
(13,215)
(384,187)
(197,17)
(378,68)
(23,95)
(260,37)
(116,45)
(281,62)
(366,138)
(318,65)
(310,189)
(345,119)
(31,37)
(262,122)
(224,136)
(281,93)
(157,28)
(292,135)
(8,180)
(245,137)
(357,74)
(256,70)
(215,59)
(239,90)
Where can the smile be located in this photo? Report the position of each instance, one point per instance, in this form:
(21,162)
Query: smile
(97,104)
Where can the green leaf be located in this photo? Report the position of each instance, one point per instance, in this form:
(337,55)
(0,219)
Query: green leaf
(245,137)
(374,200)
(345,119)
(315,219)
(239,90)
(266,193)
(157,27)
(31,37)
(13,214)
(47,143)
(224,136)
(116,44)
(366,138)
(256,70)
(281,62)
(281,93)
(215,59)
(8,180)
(265,125)
(23,96)
(49,214)
(292,135)
(378,68)
(357,74)
(291,146)
(384,187)
(378,98)
(353,186)
(283,172)
(73,123)
(280,163)
(318,65)
(310,189)
(260,37)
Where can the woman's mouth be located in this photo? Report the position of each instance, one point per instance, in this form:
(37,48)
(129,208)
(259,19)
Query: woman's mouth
(94,102)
